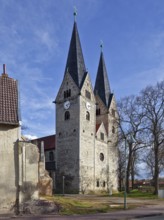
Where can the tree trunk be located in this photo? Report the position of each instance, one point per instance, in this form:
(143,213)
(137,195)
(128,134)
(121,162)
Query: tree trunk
(156,170)
(132,178)
(128,170)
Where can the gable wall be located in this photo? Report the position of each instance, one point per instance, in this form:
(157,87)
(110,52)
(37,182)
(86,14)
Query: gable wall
(8,161)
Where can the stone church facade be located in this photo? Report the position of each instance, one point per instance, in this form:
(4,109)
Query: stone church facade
(86,128)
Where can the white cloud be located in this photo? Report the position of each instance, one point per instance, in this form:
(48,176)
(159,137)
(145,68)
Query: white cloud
(30,137)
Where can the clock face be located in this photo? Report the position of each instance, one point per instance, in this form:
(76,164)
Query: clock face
(67,104)
(88,105)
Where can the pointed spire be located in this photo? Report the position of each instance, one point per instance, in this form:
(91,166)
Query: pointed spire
(102,87)
(75,61)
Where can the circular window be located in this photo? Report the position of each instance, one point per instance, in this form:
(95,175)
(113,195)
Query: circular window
(101,156)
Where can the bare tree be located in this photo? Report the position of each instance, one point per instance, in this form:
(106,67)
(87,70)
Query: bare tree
(152,102)
(130,123)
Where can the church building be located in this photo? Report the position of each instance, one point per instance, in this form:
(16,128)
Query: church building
(86,128)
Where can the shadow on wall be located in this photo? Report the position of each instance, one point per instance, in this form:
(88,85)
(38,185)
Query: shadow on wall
(16,162)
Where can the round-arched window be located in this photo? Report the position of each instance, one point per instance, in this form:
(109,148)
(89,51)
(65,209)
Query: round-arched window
(101,156)
(88,116)
(67,115)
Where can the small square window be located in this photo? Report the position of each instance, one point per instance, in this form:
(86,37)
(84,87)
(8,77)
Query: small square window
(87,94)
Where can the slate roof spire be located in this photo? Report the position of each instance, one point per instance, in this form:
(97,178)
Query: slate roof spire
(75,62)
(102,87)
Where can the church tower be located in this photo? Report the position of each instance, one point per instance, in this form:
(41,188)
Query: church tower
(106,115)
(75,124)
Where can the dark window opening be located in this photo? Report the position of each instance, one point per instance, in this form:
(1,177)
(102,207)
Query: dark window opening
(51,156)
(101,156)
(104,183)
(67,93)
(87,94)
(97,183)
(98,111)
(113,129)
(67,115)
(88,116)
(102,136)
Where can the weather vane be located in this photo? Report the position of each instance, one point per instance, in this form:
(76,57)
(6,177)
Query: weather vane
(75,12)
(101,45)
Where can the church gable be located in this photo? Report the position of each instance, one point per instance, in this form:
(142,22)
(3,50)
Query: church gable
(101,133)
(113,108)
(67,89)
(87,90)
(101,108)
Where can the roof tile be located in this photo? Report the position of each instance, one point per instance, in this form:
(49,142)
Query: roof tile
(9,112)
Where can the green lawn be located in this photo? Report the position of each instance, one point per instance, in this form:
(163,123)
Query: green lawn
(70,206)
(137,194)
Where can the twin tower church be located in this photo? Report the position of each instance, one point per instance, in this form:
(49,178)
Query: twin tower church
(86,127)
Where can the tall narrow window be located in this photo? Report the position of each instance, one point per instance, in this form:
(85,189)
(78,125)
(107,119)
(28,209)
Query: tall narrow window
(88,116)
(98,111)
(113,129)
(97,183)
(69,93)
(102,136)
(67,115)
(104,183)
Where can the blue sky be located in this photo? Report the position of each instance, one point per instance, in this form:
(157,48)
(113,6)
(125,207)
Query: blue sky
(34,42)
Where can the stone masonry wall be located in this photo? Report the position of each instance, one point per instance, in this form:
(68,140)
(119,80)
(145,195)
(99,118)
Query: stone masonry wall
(67,138)
(9,136)
(87,138)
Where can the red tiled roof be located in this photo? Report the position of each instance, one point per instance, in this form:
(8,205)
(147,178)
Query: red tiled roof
(49,142)
(9,112)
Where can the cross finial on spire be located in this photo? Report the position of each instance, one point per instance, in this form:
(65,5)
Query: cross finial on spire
(4,70)
(75,13)
(101,45)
